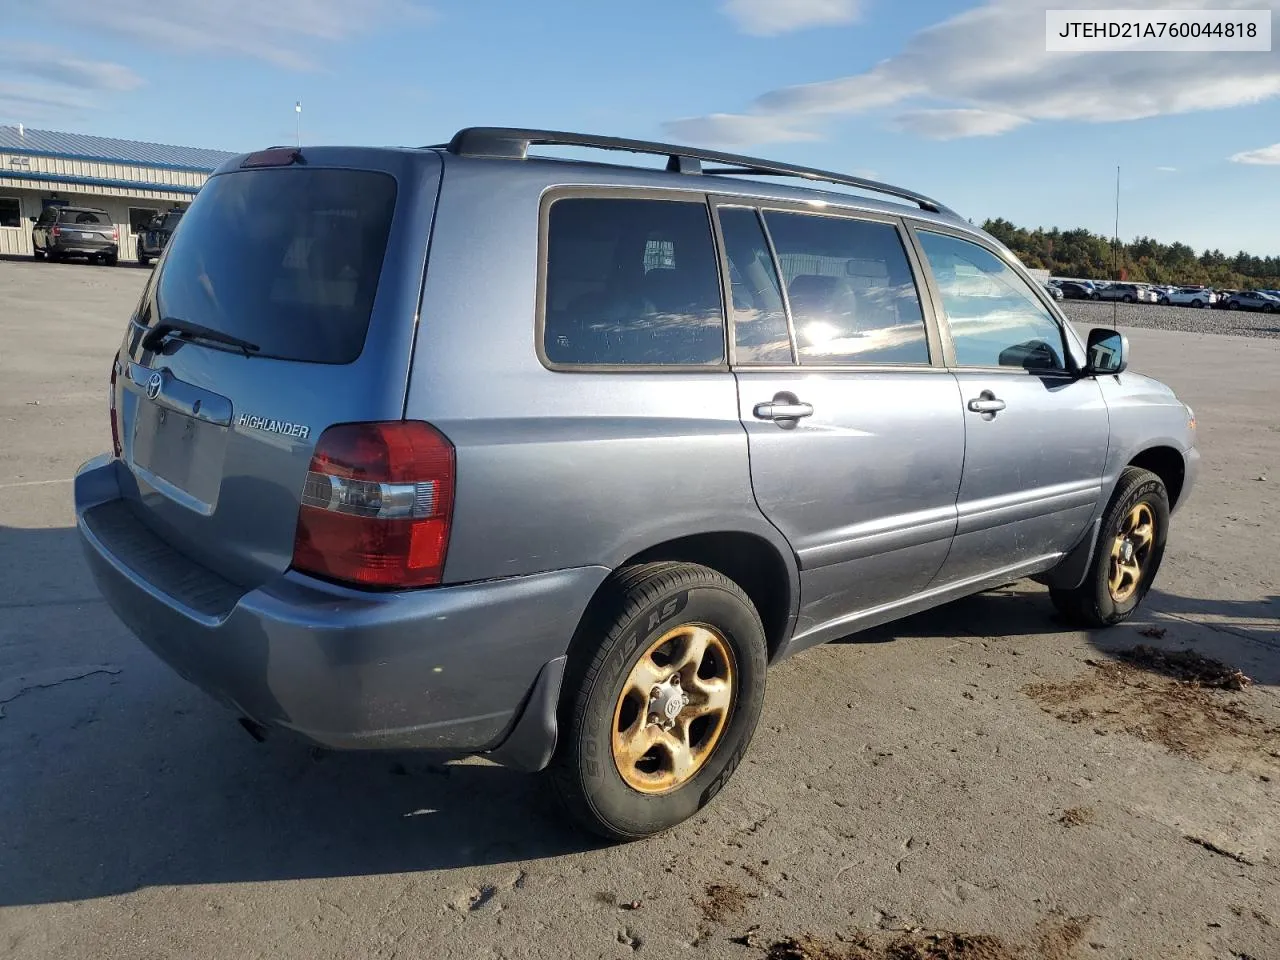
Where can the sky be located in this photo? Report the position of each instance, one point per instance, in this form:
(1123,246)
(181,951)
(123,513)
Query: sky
(958,100)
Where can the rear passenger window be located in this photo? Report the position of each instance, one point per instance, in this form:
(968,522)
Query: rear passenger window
(759,317)
(853,297)
(632,282)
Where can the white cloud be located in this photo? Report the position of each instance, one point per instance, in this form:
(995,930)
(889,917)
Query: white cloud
(766,18)
(1166,169)
(735,130)
(40,83)
(64,68)
(1263,156)
(277,31)
(951,124)
(990,63)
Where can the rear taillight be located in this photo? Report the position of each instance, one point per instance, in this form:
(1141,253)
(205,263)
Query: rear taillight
(376,505)
(115,234)
(55,231)
(111,407)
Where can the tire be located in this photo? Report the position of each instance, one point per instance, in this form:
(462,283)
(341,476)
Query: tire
(1095,296)
(1198,304)
(144,260)
(1095,603)
(111,259)
(1128,299)
(1232,305)
(1164,301)
(1267,308)
(36,253)
(644,605)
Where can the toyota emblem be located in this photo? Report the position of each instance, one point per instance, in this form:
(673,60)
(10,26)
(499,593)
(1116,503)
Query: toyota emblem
(153,385)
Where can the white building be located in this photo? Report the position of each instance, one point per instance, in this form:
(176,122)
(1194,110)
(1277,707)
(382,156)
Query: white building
(131,180)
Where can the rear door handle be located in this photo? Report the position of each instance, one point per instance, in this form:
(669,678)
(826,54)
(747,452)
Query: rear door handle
(986,402)
(779,410)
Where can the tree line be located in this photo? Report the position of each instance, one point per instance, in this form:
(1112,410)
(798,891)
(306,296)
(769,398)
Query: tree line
(1079,253)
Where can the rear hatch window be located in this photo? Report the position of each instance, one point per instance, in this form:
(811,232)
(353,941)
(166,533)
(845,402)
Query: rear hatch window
(286,259)
(85,217)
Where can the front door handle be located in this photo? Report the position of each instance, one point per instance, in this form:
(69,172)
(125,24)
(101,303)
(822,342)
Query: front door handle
(783,410)
(987,404)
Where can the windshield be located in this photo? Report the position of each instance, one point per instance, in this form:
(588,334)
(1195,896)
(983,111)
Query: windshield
(288,259)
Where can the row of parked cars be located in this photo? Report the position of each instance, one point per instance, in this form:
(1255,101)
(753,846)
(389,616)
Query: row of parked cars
(1200,297)
(60,233)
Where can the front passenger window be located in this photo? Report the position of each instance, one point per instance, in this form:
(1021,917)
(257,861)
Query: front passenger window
(996,319)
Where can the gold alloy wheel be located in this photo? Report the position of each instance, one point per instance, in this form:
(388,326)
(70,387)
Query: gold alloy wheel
(1130,552)
(673,709)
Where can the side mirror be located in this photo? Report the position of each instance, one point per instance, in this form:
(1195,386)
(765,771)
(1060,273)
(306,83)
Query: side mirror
(33,219)
(1107,353)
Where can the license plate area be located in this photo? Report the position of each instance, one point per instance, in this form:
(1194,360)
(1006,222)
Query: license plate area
(183,451)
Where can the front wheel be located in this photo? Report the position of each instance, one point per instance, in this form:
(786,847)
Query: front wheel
(1128,299)
(1127,556)
(663,691)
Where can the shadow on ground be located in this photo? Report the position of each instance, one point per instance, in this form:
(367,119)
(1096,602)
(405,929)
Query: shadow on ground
(127,777)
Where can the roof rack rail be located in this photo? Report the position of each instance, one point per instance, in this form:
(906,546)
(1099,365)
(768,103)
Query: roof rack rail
(514,143)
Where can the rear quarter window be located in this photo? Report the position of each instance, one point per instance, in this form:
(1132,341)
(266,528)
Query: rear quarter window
(289,259)
(631,281)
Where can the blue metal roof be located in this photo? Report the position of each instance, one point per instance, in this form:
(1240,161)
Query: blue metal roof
(79,146)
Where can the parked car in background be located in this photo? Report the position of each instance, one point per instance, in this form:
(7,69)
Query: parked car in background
(1198,297)
(62,232)
(1074,290)
(1147,293)
(1253,300)
(1127,292)
(152,241)
(313,507)
(1055,291)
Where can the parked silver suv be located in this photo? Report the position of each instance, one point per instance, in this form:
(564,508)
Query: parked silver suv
(455,449)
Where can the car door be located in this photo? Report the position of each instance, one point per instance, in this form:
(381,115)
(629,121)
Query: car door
(1036,434)
(854,426)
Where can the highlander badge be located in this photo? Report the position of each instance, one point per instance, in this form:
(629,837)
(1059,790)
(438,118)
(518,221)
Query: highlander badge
(297,430)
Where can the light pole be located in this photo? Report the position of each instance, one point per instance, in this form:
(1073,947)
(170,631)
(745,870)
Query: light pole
(297,109)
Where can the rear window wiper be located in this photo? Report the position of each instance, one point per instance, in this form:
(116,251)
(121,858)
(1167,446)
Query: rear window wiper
(179,329)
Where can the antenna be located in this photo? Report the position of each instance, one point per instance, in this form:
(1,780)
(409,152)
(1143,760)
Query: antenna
(1115,252)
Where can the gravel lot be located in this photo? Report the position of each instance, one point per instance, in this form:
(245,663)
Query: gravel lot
(978,782)
(1087,313)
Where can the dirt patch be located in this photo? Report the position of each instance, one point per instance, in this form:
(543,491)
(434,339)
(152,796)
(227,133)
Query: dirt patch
(722,901)
(1077,817)
(1186,666)
(1059,937)
(1175,700)
(914,946)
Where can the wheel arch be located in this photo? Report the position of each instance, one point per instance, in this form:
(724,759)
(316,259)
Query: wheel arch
(1168,464)
(768,575)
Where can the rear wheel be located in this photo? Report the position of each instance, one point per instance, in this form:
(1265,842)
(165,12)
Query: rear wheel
(1233,305)
(144,260)
(37,253)
(1198,304)
(111,259)
(1127,556)
(1128,298)
(661,699)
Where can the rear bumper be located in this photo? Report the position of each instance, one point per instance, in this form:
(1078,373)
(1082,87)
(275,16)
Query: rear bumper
(446,668)
(94,247)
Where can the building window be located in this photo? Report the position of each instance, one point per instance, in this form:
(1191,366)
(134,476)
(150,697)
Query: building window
(140,218)
(10,212)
